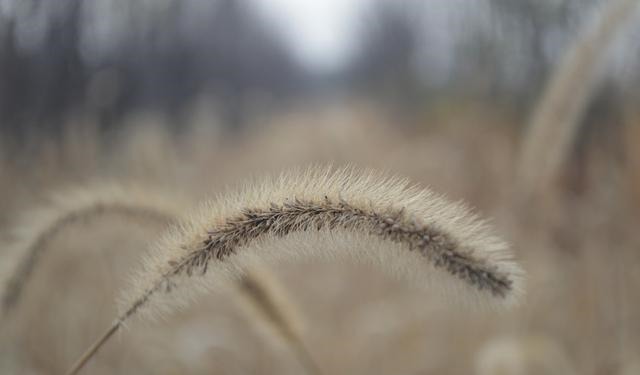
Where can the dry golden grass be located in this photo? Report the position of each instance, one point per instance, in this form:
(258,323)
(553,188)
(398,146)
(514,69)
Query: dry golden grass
(69,295)
(579,250)
(555,121)
(267,305)
(353,210)
(68,208)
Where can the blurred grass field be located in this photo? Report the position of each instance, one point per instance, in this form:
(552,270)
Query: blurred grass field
(194,98)
(577,242)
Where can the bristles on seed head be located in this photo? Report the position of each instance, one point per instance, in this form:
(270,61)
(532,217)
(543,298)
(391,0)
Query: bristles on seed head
(357,210)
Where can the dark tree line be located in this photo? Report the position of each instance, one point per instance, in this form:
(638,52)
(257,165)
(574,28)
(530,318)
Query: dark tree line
(499,50)
(65,56)
(161,64)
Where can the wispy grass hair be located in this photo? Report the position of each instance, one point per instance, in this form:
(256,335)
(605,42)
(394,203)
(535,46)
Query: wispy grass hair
(323,201)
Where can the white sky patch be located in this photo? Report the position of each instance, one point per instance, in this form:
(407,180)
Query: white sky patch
(320,31)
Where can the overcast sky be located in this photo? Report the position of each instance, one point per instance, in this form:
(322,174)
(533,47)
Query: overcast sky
(321,31)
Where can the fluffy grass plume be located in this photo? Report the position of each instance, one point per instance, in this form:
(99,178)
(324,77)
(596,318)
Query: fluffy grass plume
(264,300)
(386,212)
(555,122)
(68,207)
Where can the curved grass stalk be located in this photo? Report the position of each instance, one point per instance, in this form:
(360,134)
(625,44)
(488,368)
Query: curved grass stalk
(386,213)
(555,122)
(266,303)
(77,206)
